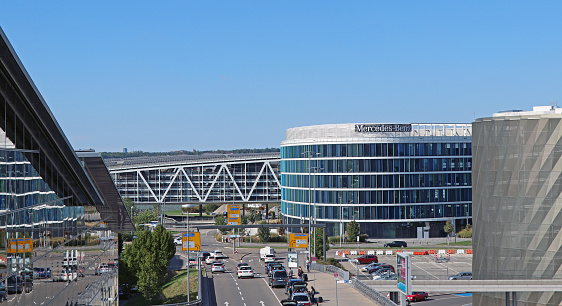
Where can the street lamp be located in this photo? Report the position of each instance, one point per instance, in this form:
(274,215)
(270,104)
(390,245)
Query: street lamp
(187,206)
(309,153)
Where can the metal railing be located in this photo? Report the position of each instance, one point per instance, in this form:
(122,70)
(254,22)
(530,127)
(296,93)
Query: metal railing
(371,293)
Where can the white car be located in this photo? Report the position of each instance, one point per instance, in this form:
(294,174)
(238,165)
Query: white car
(192,262)
(245,271)
(269,258)
(218,267)
(218,254)
(210,259)
(177,241)
(370,266)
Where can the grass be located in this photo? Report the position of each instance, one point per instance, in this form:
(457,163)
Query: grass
(174,287)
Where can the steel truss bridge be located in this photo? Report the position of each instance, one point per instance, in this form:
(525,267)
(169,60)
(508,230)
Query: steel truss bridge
(198,179)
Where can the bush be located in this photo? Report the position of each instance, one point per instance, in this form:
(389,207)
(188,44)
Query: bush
(465,233)
(363,237)
(278,238)
(218,236)
(333,262)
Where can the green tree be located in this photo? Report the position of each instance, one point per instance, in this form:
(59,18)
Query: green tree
(448,228)
(148,277)
(146,216)
(210,208)
(264,233)
(352,231)
(219,220)
(130,206)
(319,239)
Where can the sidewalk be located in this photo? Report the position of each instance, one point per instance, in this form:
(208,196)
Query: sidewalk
(326,288)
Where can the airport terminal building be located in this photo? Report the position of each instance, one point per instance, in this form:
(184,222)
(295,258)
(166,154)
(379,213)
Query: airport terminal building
(395,180)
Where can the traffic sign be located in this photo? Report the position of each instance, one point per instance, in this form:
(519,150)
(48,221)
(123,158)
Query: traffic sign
(191,242)
(233,214)
(235,251)
(298,240)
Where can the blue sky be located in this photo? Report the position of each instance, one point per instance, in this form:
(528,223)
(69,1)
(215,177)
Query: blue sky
(171,75)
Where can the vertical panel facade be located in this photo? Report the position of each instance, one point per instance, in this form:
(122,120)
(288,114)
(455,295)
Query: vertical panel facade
(517,202)
(391,179)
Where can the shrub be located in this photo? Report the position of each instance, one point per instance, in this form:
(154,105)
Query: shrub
(363,237)
(465,233)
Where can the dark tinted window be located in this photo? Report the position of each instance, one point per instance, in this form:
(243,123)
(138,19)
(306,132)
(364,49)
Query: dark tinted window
(280,274)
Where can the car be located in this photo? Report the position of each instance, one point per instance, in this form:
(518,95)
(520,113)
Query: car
(382,274)
(218,254)
(288,302)
(417,296)
(301,298)
(278,278)
(269,258)
(269,265)
(365,259)
(462,275)
(371,266)
(396,244)
(123,294)
(385,266)
(390,276)
(104,268)
(245,271)
(192,262)
(210,259)
(240,264)
(218,267)
(289,288)
(275,268)
(15,285)
(178,240)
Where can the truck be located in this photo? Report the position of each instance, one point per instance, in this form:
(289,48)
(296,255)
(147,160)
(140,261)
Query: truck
(266,251)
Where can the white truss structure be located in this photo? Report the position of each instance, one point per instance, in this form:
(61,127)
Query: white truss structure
(210,181)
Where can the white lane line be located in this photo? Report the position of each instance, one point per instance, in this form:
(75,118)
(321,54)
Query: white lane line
(271,290)
(424,270)
(242,298)
(240,292)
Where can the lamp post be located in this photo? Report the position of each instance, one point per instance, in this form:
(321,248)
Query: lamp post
(187,206)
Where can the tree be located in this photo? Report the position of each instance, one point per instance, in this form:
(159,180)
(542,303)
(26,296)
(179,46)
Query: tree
(210,208)
(352,231)
(264,233)
(448,228)
(319,239)
(219,220)
(146,216)
(130,206)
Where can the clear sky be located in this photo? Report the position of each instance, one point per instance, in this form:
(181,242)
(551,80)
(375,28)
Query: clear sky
(171,75)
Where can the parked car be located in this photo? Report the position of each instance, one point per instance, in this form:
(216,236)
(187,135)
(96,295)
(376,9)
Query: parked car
(245,271)
(385,266)
(218,267)
(417,296)
(365,259)
(279,278)
(462,275)
(382,274)
(178,241)
(396,244)
(371,266)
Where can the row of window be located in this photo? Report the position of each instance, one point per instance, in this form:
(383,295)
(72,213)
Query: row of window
(377,165)
(376,181)
(379,150)
(378,212)
(378,196)
(19,201)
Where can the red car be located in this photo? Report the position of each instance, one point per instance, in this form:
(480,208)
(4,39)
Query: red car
(417,296)
(366,259)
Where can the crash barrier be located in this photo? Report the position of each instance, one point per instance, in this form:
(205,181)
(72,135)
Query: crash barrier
(199,300)
(392,252)
(370,293)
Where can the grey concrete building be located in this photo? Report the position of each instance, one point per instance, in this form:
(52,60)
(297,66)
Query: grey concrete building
(517,204)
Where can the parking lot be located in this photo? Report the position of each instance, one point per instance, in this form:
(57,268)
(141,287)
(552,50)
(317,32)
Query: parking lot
(424,267)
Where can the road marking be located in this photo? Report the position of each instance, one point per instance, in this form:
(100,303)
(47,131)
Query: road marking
(242,298)
(275,295)
(240,292)
(417,266)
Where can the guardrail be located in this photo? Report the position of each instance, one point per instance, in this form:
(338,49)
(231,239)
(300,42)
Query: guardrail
(329,268)
(199,300)
(371,293)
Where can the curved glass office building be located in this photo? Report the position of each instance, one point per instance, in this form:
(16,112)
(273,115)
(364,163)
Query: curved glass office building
(395,180)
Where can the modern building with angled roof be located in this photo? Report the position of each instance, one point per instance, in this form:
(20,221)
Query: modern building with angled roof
(518,202)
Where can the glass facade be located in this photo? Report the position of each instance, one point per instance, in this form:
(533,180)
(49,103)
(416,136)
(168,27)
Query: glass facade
(390,185)
(38,231)
(518,203)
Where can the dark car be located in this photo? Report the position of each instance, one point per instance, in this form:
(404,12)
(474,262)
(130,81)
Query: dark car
(15,284)
(123,294)
(396,244)
(28,285)
(291,283)
(462,275)
(381,267)
(278,279)
(205,255)
(366,259)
